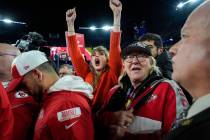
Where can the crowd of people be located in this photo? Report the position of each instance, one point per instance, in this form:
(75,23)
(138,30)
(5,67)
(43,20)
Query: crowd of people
(139,92)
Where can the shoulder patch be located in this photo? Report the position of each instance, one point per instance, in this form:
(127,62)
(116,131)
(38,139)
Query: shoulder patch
(21,94)
(69,114)
(152,98)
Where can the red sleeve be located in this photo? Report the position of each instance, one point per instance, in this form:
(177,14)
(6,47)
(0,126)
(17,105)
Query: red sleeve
(111,92)
(72,122)
(169,110)
(6,119)
(78,61)
(115,61)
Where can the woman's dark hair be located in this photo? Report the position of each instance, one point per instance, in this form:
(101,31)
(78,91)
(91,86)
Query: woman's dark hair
(152,37)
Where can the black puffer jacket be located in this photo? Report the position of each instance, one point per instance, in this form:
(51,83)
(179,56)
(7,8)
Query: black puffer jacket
(165,64)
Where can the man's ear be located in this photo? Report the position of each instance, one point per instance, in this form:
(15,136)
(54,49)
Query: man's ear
(38,74)
(160,50)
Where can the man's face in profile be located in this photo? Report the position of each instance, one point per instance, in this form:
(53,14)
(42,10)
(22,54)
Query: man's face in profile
(31,83)
(189,52)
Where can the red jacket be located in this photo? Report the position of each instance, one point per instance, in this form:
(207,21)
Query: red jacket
(108,78)
(25,111)
(153,119)
(6,116)
(66,113)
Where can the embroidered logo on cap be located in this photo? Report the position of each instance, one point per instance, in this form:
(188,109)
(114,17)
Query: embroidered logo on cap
(26,67)
(68,114)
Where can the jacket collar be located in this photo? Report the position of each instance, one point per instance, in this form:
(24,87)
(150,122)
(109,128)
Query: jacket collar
(199,105)
(72,83)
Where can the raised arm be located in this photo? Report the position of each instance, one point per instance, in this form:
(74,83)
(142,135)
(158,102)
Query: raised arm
(115,62)
(78,61)
(116,7)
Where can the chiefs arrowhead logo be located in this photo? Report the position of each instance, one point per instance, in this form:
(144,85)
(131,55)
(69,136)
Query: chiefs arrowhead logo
(21,94)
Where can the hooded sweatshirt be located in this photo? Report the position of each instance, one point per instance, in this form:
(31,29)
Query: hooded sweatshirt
(24,110)
(6,116)
(66,112)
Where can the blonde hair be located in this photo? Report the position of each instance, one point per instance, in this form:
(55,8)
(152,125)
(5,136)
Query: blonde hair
(96,75)
(122,75)
(101,48)
(154,65)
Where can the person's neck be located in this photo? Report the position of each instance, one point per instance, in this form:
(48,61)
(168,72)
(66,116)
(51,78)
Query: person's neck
(99,72)
(51,80)
(136,84)
(199,91)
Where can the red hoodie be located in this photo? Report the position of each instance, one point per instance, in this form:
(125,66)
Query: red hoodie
(66,112)
(6,116)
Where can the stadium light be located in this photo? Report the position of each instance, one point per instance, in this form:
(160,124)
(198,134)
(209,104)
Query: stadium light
(193,1)
(171,39)
(106,27)
(9,21)
(182,4)
(93,28)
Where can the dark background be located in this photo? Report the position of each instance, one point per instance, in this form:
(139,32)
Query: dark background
(48,18)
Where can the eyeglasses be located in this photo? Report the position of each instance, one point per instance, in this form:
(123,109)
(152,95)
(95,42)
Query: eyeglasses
(140,58)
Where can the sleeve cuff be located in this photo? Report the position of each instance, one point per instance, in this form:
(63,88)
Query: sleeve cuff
(70,33)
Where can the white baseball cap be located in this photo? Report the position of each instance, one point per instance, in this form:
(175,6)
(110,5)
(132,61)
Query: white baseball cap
(24,63)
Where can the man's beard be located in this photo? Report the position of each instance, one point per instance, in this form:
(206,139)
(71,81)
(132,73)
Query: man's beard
(38,95)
